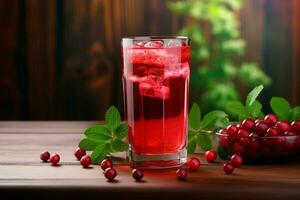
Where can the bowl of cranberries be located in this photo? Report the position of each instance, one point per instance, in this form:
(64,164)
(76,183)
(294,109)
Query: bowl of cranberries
(261,140)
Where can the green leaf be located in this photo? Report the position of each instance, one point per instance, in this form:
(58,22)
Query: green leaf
(100,152)
(253,95)
(122,131)
(195,117)
(118,145)
(222,153)
(97,129)
(89,144)
(192,146)
(237,108)
(112,118)
(281,107)
(211,118)
(294,114)
(255,109)
(98,133)
(204,141)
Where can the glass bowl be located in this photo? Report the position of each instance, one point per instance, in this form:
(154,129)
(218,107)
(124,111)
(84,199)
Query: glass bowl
(261,149)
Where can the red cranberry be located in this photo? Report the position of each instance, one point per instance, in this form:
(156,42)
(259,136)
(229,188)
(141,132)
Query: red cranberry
(210,156)
(253,136)
(232,130)
(106,163)
(243,133)
(258,120)
(248,124)
(254,144)
(278,142)
(54,159)
(223,131)
(283,126)
(181,174)
(45,156)
(110,173)
(79,153)
(223,141)
(236,160)
(137,174)
(245,141)
(261,128)
(85,161)
(193,164)
(238,148)
(271,119)
(238,126)
(228,168)
(296,126)
(272,132)
(289,133)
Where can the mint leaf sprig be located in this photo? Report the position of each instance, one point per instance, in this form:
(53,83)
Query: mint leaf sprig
(200,129)
(283,109)
(105,139)
(251,108)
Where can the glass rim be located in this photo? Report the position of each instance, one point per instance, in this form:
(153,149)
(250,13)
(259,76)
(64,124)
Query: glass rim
(151,38)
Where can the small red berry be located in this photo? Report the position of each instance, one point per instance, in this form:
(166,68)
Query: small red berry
(289,133)
(253,136)
(54,159)
(181,174)
(259,120)
(283,126)
(296,126)
(110,173)
(238,126)
(137,174)
(236,160)
(272,132)
(210,156)
(228,168)
(271,119)
(223,131)
(243,133)
(245,141)
(193,164)
(45,156)
(106,163)
(232,130)
(85,161)
(79,153)
(238,148)
(254,144)
(248,124)
(261,128)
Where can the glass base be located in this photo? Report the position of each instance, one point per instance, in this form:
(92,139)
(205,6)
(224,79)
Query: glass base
(165,161)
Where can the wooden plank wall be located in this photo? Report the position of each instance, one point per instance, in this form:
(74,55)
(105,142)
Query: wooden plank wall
(61,59)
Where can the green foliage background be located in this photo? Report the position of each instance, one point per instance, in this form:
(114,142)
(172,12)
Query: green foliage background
(214,51)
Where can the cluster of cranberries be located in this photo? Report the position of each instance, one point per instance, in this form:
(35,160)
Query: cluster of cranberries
(261,138)
(54,158)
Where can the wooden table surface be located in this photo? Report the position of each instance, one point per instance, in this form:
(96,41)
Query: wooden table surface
(23,175)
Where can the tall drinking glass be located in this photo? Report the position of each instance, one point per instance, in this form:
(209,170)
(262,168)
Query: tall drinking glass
(156,73)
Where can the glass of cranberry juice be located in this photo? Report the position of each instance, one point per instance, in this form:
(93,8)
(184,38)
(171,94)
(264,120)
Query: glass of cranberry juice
(156,72)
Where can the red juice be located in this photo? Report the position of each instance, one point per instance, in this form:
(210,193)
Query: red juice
(156,89)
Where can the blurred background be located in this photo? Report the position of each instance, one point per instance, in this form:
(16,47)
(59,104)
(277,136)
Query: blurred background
(61,60)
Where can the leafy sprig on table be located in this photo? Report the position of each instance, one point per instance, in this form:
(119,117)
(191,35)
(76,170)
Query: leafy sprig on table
(105,139)
(200,128)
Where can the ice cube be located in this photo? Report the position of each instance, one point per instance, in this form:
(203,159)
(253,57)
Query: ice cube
(153,87)
(173,43)
(154,44)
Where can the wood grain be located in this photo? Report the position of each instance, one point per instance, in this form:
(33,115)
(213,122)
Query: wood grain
(23,175)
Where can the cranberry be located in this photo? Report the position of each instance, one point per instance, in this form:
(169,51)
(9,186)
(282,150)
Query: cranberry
(210,156)
(278,142)
(193,164)
(238,126)
(253,136)
(283,126)
(228,168)
(289,133)
(254,144)
(243,133)
(272,132)
(181,174)
(296,126)
(271,119)
(85,161)
(110,173)
(261,128)
(248,124)
(45,156)
(79,153)
(236,160)
(54,159)
(137,174)
(232,130)
(245,141)
(223,141)
(259,120)
(223,131)
(238,148)
(106,163)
